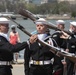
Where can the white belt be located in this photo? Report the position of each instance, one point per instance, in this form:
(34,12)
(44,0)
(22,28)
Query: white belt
(5,63)
(40,62)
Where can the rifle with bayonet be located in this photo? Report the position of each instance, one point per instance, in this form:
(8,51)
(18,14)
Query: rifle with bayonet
(53,49)
(31,16)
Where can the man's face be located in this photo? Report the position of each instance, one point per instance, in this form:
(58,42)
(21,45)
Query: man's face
(4,28)
(74,28)
(41,28)
(60,26)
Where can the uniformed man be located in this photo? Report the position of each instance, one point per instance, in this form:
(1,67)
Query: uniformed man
(58,64)
(72,47)
(40,62)
(7,49)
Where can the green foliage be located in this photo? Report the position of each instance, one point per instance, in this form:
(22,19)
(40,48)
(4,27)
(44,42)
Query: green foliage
(73,14)
(64,7)
(47,8)
(31,7)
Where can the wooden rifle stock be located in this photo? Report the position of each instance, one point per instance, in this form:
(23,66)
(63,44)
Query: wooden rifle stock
(27,14)
(30,15)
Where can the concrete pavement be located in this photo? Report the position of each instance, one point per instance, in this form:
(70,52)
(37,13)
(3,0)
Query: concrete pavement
(18,69)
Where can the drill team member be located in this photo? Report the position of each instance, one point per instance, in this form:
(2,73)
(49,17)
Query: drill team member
(58,65)
(40,62)
(72,48)
(71,45)
(7,49)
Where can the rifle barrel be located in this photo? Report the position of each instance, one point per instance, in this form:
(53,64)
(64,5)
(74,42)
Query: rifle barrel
(30,15)
(20,27)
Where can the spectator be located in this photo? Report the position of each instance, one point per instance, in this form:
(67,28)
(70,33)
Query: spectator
(14,39)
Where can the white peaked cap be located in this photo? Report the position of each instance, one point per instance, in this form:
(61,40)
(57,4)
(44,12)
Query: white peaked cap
(60,22)
(41,21)
(73,23)
(3,20)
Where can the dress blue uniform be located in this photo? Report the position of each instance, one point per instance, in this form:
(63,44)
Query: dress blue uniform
(72,49)
(7,50)
(39,56)
(61,43)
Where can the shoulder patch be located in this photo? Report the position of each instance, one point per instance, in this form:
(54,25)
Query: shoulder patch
(73,46)
(0,39)
(75,36)
(54,35)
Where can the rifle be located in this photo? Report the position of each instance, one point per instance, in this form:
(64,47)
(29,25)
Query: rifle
(30,15)
(61,52)
(53,49)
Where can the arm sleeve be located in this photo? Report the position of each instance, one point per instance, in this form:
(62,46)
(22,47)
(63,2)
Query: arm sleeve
(72,40)
(12,48)
(26,60)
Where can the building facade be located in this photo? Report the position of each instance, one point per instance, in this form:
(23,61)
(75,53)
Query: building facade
(70,1)
(47,1)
